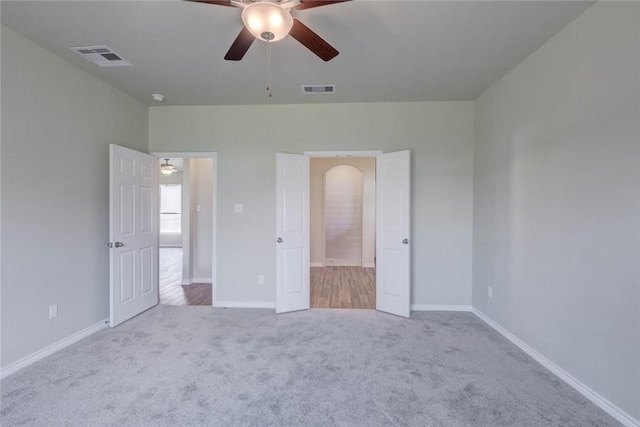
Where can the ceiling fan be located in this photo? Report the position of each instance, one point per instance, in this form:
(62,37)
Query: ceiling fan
(271,20)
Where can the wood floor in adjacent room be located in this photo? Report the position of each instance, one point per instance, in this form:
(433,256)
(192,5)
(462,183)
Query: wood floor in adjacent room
(172,292)
(343,287)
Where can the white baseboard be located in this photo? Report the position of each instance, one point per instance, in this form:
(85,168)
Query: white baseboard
(369,265)
(587,392)
(196,280)
(436,307)
(244,304)
(41,354)
(316,264)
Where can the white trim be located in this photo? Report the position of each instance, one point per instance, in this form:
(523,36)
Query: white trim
(244,304)
(50,349)
(186,154)
(437,307)
(587,392)
(196,280)
(369,265)
(316,264)
(368,153)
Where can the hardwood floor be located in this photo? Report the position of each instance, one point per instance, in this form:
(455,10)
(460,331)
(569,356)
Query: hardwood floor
(171,290)
(343,287)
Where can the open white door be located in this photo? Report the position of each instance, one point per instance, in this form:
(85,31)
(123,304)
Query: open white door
(292,232)
(393,250)
(133,233)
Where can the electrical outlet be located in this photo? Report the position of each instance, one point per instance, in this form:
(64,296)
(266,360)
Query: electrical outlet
(490,291)
(261,280)
(53,311)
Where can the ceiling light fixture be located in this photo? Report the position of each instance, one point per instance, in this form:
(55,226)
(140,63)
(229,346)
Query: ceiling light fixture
(167,168)
(267,21)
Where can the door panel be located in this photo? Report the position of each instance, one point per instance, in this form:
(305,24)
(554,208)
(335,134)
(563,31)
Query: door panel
(133,233)
(146,261)
(127,276)
(293,199)
(292,232)
(293,279)
(393,251)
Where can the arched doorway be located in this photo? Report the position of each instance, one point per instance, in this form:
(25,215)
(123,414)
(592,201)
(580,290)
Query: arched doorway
(343,196)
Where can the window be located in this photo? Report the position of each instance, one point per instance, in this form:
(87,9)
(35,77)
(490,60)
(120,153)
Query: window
(170,208)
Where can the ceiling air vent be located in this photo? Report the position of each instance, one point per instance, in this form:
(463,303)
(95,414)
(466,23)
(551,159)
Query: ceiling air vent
(318,89)
(103,56)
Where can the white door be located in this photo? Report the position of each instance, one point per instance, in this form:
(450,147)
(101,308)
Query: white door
(133,233)
(292,232)
(393,249)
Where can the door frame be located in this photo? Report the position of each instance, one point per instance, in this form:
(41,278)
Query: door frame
(350,153)
(214,211)
(347,154)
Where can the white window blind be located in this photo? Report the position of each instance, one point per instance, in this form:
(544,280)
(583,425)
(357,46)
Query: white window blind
(170,208)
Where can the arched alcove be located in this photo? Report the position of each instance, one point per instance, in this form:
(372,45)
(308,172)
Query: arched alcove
(343,193)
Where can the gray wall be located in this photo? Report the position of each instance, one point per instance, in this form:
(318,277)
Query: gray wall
(57,123)
(246,138)
(557,202)
(202,225)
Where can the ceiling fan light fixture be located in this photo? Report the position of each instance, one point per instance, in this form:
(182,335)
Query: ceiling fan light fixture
(166,168)
(267,21)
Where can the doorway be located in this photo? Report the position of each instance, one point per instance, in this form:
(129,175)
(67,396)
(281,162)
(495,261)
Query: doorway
(393,231)
(187,233)
(342,237)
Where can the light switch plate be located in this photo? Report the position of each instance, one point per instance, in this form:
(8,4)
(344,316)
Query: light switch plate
(238,208)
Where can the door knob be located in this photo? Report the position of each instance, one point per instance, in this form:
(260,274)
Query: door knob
(405,241)
(119,244)
(279,240)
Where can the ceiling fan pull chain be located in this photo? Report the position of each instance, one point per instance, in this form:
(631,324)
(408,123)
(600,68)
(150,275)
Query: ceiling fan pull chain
(269,68)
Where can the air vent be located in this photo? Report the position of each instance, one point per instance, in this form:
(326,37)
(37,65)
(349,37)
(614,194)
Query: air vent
(102,56)
(318,89)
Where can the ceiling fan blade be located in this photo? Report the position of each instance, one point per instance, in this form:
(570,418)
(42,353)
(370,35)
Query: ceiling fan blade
(312,41)
(308,4)
(240,45)
(216,2)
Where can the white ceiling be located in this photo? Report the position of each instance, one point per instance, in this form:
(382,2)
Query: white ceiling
(389,50)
